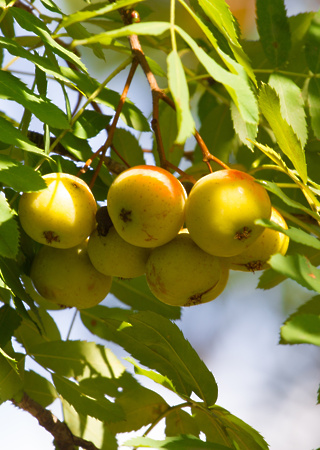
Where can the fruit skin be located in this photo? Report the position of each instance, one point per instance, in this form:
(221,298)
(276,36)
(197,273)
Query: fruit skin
(146,205)
(268,243)
(67,277)
(221,210)
(179,273)
(61,216)
(112,255)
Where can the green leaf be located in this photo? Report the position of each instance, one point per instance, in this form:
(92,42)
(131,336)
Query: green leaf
(160,345)
(130,114)
(246,131)
(12,88)
(73,358)
(141,407)
(238,87)
(179,422)
(10,381)
(9,321)
(312,45)
(291,104)
(20,177)
(168,122)
(89,124)
(286,138)
(298,268)
(31,23)
(9,231)
(180,92)
(154,376)
(183,442)
(95,10)
(39,388)
(303,326)
(87,402)
(274,30)
(135,293)
(128,146)
(314,105)
(272,187)
(295,234)
(12,136)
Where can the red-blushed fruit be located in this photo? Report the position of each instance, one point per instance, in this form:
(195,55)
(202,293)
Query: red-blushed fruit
(268,243)
(147,205)
(179,273)
(67,277)
(221,211)
(112,255)
(63,215)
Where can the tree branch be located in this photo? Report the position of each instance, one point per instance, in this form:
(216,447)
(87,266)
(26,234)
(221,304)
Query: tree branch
(62,435)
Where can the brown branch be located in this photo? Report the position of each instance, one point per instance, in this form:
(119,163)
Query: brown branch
(111,130)
(62,435)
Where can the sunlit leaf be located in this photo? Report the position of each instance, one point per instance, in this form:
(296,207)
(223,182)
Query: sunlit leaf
(10,380)
(20,177)
(286,138)
(303,326)
(291,104)
(39,388)
(180,93)
(184,442)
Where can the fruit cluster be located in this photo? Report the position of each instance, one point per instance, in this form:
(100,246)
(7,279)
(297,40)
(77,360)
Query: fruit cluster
(185,245)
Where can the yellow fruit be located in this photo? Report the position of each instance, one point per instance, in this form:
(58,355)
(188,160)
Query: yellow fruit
(112,255)
(146,205)
(67,277)
(63,215)
(221,211)
(268,243)
(179,273)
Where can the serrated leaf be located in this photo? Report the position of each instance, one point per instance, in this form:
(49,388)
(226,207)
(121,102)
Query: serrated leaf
(303,326)
(135,293)
(184,442)
(39,388)
(298,268)
(10,381)
(179,422)
(20,177)
(130,114)
(286,138)
(291,104)
(180,92)
(312,44)
(295,234)
(89,124)
(246,132)
(95,10)
(12,88)
(272,187)
(160,345)
(35,25)
(12,136)
(128,146)
(9,321)
(314,105)
(73,358)
(154,376)
(274,30)
(141,407)
(238,87)
(87,403)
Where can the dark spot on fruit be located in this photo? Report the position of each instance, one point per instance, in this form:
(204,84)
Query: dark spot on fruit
(125,215)
(75,185)
(50,237)
(254,265)
(243,234)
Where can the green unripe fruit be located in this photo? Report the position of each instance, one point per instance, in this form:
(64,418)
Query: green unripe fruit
(67,277)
